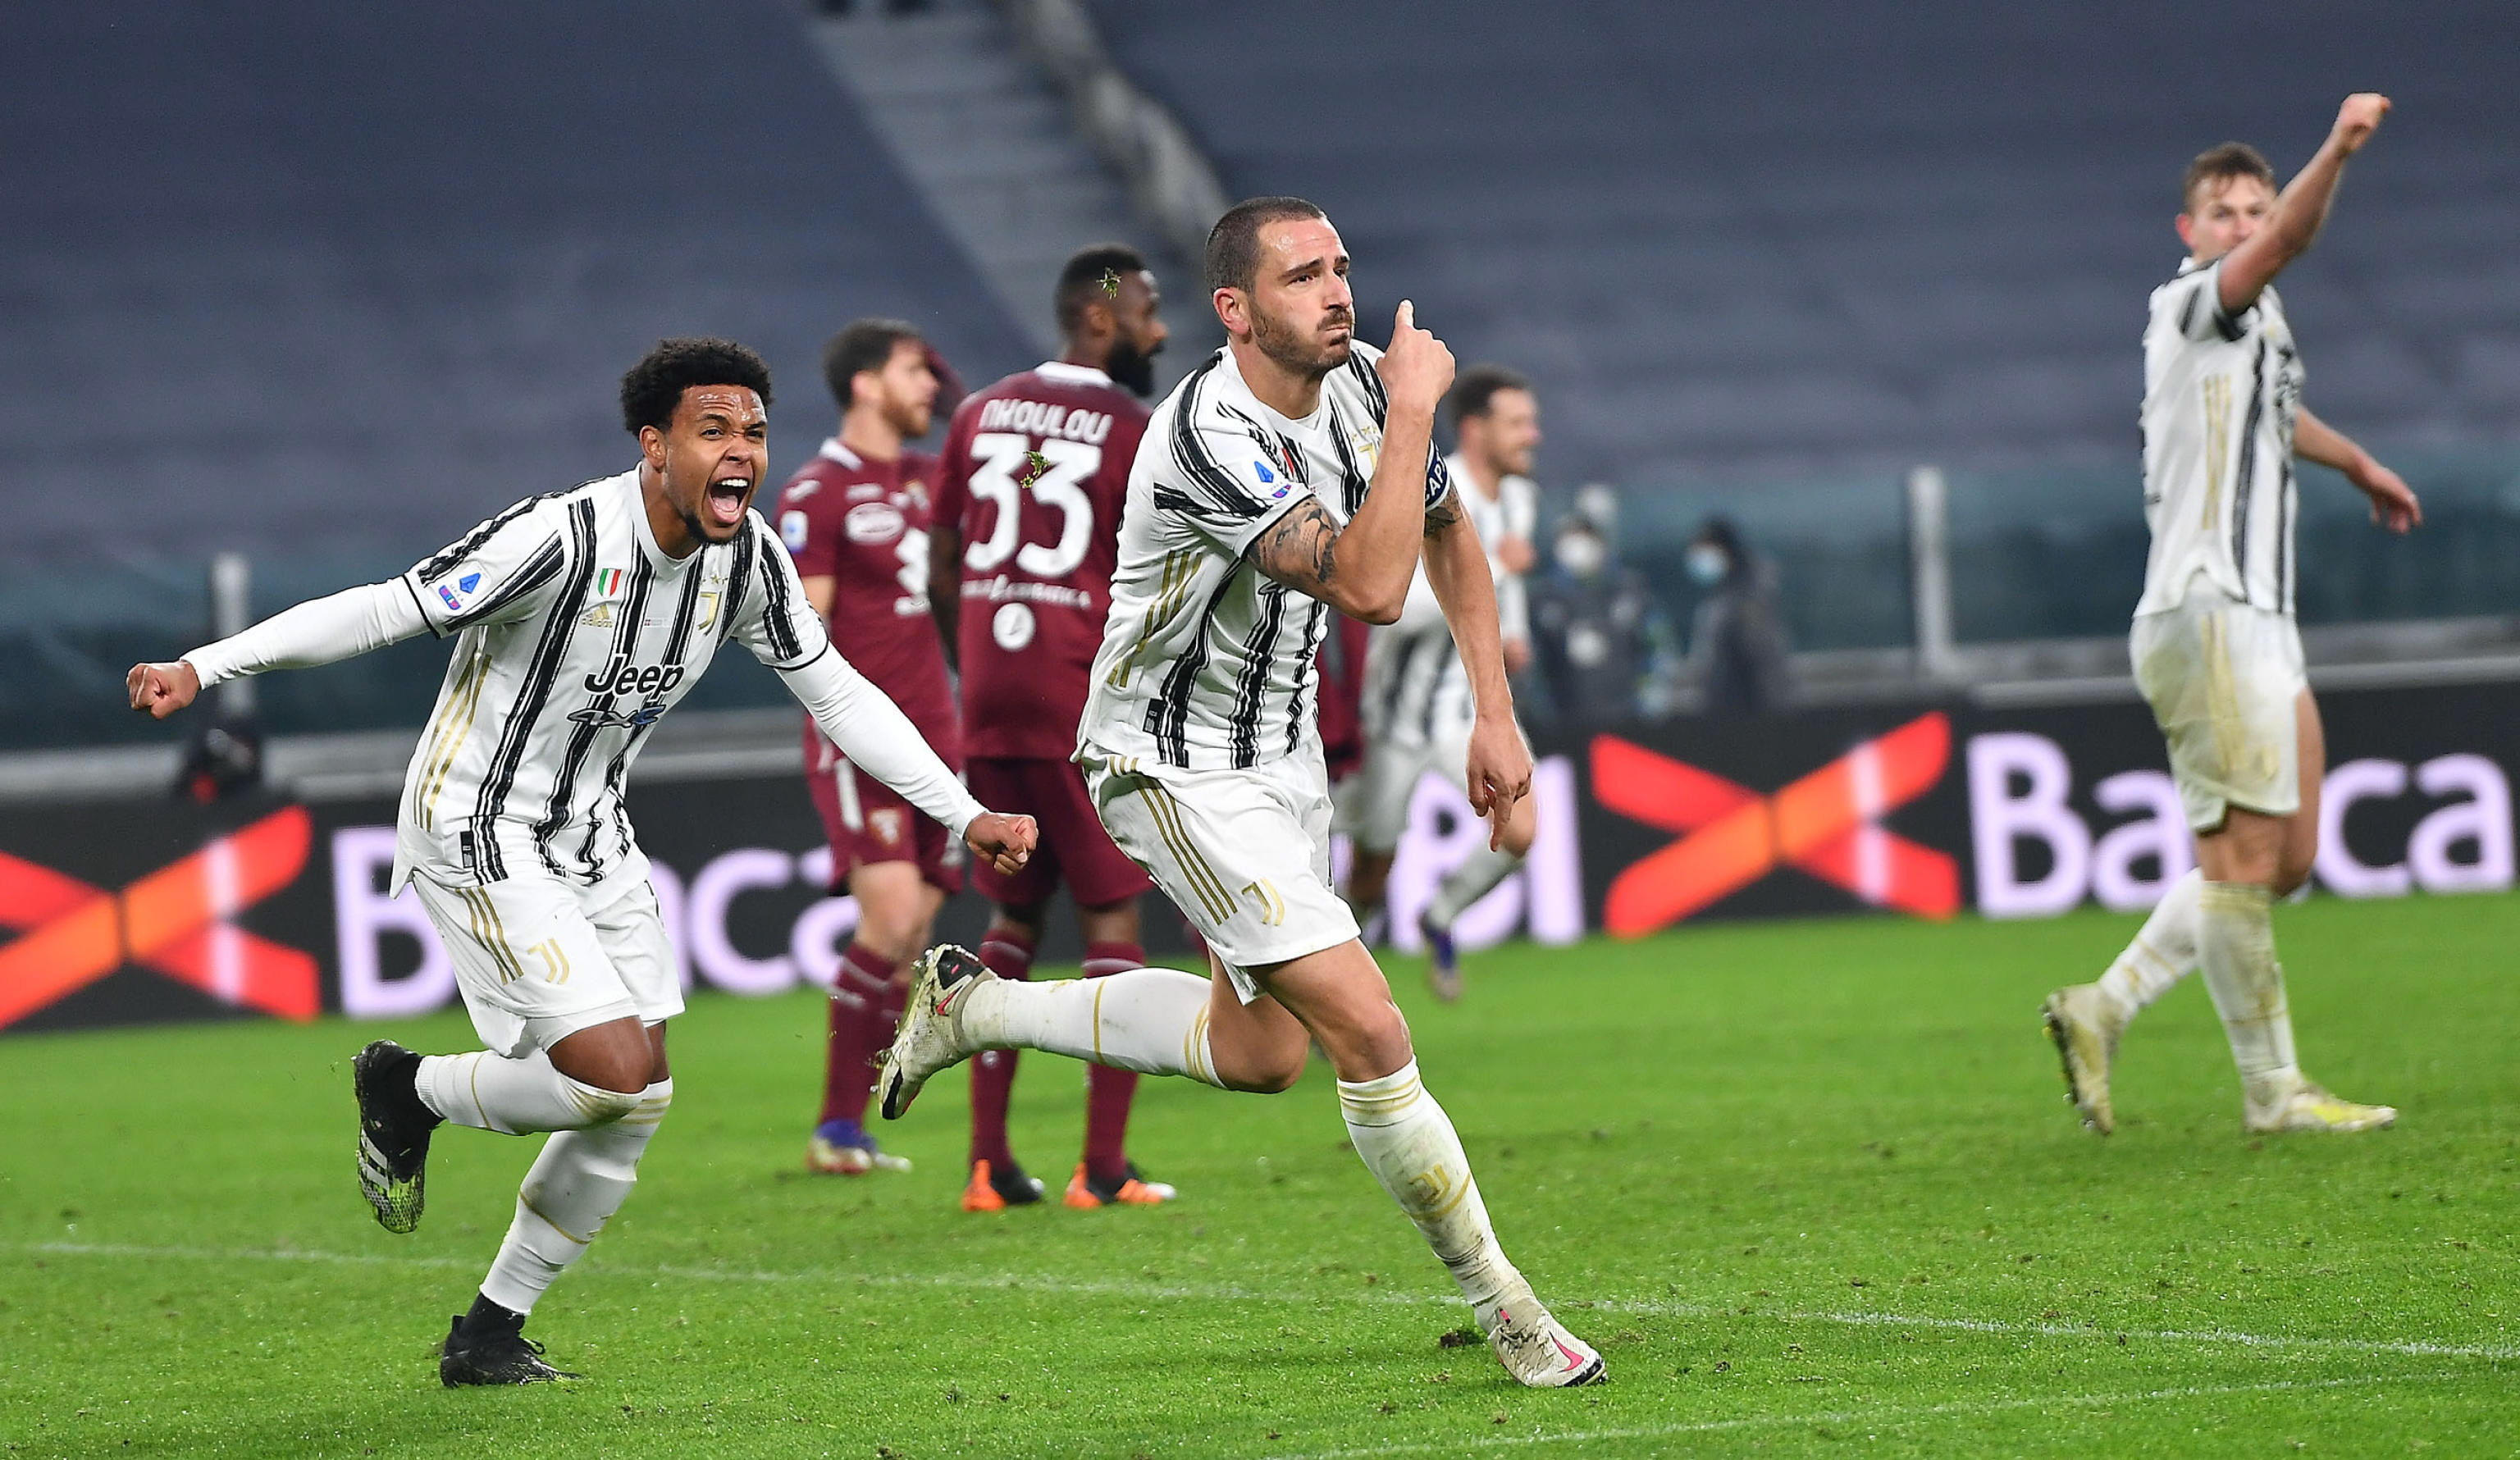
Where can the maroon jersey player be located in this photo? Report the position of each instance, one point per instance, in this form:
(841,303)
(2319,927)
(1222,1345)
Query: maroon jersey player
(1028,498)
(856,520)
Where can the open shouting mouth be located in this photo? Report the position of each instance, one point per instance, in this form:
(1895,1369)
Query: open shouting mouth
(728,497)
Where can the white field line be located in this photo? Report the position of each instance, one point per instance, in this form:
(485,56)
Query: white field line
(1152,1291)
(1863,1418)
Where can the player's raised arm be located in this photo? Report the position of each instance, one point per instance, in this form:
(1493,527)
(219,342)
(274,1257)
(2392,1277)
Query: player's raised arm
(496,573)
(2301,210)
(2393,503)
(1362,569)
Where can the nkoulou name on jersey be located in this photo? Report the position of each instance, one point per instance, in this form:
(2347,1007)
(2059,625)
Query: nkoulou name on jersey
(1034,477)
(2221,395)
(1206,663)
(574,634)
(864,524)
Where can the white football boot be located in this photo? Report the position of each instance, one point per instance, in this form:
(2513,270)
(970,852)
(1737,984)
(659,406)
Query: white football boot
(2309,1107)
(1536,1349)
(2084,1024)
(930,1037)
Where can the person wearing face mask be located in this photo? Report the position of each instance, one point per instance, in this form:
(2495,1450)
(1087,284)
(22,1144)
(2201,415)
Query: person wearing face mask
(1737,646)
(1593,622)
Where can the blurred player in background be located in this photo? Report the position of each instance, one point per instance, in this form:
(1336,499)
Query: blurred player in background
(2214,647)
(1290,477)
(579,619)
(856,520)
(1418,709)
(1030,493)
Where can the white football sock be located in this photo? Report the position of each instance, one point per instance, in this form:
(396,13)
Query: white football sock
(2237,948)
(576,1185)
(1151,1020)
(2163,953)
(1409,1144)
(513,1096)
(1466,884)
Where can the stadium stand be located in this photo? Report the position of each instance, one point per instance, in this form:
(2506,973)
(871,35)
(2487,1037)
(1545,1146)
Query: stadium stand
(329,285)
(1734,247)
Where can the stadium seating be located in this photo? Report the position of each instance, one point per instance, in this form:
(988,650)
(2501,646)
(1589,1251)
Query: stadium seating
(1747,242)
(329,284)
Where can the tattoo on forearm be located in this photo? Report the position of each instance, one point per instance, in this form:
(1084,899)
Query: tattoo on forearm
(1298,549)
(1443,515)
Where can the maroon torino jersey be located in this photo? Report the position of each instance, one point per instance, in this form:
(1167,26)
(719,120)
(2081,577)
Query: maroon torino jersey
(863,525)
(1034,473)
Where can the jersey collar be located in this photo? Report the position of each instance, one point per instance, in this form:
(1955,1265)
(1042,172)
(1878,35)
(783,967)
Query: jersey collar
(1072,375)
(833,451)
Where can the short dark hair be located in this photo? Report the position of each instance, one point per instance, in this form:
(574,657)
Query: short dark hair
(2221,164)
(1234,244)
(1081,280)
(655,385)
(1475,391)
(866,344)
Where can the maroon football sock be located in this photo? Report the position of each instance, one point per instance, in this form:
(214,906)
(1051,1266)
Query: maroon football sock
(1008,955)
(1108,1091)
(865,1006)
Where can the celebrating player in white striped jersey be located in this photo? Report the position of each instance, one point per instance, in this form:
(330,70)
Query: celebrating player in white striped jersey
(579,618)
(1290,476)
(1418,709)
(2214,647)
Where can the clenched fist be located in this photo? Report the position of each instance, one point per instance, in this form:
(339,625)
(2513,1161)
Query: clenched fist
(1416,370)
(2359,118)
(1004,842)
(161,689)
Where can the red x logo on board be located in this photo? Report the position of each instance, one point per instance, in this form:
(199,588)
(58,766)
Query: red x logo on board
(1827,823)
(172,920)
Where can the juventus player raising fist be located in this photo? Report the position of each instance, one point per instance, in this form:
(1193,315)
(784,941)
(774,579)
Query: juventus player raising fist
(2214,647)
(1291,476)
(578,618)
(1028,503)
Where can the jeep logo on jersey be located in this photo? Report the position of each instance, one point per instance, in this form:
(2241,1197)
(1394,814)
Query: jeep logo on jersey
(616,677)
(873,522)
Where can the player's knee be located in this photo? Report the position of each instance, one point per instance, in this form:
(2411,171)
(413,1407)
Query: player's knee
(602,1105)
(1371,1044)
(1274,1072)
(609,1063)
(889,936)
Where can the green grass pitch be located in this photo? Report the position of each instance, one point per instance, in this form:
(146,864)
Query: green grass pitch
(1811,1187)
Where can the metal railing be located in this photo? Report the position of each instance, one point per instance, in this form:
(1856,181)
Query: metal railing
(1171,184)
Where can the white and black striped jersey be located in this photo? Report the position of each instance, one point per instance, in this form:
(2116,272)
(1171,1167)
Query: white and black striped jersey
(574,634)
(1205,663)
(1417,690)
(2220,397)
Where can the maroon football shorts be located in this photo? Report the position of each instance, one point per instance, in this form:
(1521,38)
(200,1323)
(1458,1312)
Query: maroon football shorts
(867,821)
(1073,844)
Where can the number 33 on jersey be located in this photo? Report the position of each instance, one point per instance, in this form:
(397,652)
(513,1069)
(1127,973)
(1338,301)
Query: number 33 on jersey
(1034,472)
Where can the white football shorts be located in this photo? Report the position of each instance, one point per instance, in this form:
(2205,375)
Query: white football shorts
(1245,854)
(537,958)
(2222,679)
